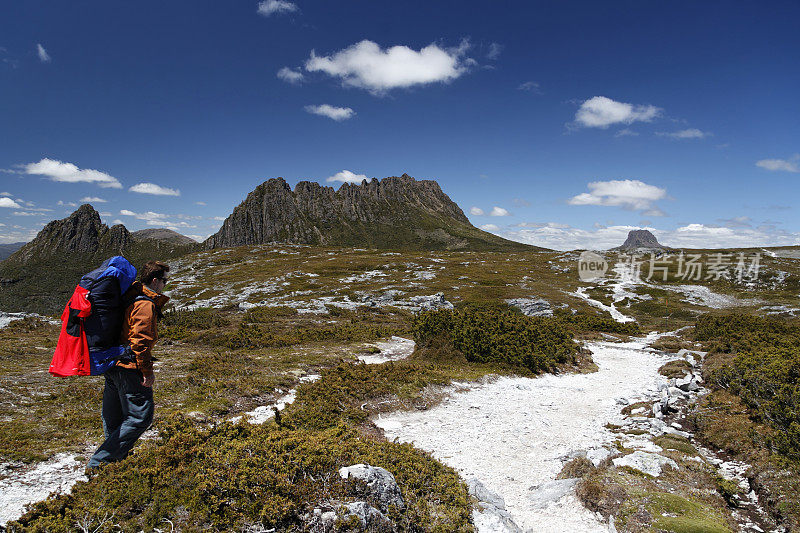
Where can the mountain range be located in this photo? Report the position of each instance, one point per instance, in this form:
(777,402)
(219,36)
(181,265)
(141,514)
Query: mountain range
(393,213)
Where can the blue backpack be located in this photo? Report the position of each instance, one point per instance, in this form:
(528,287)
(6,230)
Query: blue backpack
(92,321)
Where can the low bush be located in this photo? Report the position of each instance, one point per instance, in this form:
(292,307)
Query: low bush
(178,324)
(764,370)
(499,335)
(235,476)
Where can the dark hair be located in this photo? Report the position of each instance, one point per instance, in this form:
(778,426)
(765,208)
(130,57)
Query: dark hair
(152,270)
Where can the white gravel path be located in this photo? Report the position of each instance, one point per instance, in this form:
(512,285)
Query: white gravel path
(514,434)
(33,483)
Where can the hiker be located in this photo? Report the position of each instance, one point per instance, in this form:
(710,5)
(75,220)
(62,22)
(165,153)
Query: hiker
(128,394)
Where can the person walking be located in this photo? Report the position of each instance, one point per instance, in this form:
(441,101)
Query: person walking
(128,394)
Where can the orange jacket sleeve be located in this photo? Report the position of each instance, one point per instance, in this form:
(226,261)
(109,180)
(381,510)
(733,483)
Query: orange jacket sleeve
(142,334)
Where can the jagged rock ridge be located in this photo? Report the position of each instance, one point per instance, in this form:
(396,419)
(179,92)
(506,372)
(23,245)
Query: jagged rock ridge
(82,232)
(396,212)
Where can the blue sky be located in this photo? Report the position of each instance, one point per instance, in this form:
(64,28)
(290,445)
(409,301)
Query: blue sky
(563,124)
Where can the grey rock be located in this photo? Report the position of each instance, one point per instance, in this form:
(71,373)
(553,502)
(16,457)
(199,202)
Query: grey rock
(649,463)
(484,495)
(433,302)
(641,241)
(380,484)
(496,521)
(532,306)
(598,455)
(683,383)
(543,495)
(324,515)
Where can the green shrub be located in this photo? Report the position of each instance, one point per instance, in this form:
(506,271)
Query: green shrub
(231,476)
(583,322)
(178,324)
(499,335)
(764,370)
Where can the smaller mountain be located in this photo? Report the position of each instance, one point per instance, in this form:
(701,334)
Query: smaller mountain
(7,249)
(40,276)
(641,240)
(162,234)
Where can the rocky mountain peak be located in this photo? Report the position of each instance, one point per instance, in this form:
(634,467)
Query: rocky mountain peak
(81,232)
(394,211)
(641,239)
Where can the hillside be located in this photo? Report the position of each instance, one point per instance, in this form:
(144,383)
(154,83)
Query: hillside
(40,276)
(393,213)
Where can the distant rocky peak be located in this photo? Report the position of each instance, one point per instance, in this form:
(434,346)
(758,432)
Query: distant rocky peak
(81,232)
(641,239)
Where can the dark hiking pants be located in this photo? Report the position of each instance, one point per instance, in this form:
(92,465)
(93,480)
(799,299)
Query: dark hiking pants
(127,413)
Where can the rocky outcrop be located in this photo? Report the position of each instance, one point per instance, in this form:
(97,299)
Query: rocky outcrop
(82,232)
(641,240)
(380,484)
(395,212)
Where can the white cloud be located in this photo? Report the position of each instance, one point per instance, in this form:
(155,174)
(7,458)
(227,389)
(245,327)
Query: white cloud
(565,237)
(602,112)
(336,113)
(117,221)
(44,57)
(8,202)
(25,214)
(290,75)
(691,133)
(220,219)
(476,211)
(69,173)
(494,51)
(367,66)
(531,87)
(490,227)
(627,132)
(784,165)
(499,212)
(272,7)
(152,188)
(93,199)
(347,177)
(628,194)
(159,219)
(67,204)
(200,203)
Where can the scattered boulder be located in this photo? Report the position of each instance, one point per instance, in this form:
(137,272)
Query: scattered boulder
(493,515)
(598,455)
(649,463)
(484,495)
(532,306)
(543,495)
(380,483)
(328,517)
